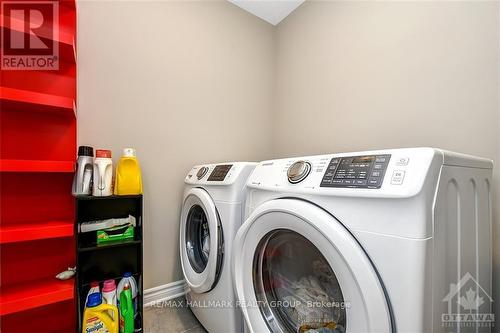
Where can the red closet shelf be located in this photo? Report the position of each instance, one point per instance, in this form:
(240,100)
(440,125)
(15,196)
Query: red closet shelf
(36,166)
(38,117)
(33,294)
(70,4)
(66,39)
(32,231)
(25,100)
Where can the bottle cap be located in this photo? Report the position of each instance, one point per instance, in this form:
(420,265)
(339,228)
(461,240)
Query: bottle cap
(94,284)
(108,285)
(127,274)
(85,151)
(129,152)
(94,300)
(103,153)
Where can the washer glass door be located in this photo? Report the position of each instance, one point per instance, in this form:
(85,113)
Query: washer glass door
(197,238)
(201,241)
(291,271)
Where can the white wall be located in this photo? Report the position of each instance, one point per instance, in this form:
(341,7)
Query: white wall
(182,82)
(354,76)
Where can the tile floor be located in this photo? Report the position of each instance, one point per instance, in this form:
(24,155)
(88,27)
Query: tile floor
(171,317)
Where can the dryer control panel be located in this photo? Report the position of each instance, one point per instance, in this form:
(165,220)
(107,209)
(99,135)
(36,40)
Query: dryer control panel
(219,173)
(356,171)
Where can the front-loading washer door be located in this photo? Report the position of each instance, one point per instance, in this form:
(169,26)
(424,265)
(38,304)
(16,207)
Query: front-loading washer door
(201,246)
(295,267)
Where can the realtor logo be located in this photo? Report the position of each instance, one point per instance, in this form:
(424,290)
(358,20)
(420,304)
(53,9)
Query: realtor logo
(469,305)
(30,30)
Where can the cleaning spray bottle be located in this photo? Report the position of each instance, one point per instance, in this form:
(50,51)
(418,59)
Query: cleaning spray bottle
(128,174)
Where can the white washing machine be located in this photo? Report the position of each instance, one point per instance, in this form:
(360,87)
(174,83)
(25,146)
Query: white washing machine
(378,241)
(212,212)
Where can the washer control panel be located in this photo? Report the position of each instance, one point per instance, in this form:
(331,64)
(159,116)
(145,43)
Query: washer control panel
(219,173)
(356,171)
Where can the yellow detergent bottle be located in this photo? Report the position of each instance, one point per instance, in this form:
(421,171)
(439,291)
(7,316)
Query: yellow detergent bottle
(97,318)
(128,174)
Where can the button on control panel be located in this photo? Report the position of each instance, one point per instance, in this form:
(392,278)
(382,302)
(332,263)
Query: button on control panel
(402,161)
(219,173)
(397,177)
(356,171)
(201,172)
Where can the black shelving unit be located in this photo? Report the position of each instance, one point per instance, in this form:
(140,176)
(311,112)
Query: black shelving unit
(108,261)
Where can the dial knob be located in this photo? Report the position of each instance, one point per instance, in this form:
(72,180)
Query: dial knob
(298,171)
(202,172)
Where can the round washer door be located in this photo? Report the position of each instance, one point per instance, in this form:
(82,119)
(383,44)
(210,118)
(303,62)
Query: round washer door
(296,267)
(200,241)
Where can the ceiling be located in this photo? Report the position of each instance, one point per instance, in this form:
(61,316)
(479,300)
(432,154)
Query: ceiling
(272,11)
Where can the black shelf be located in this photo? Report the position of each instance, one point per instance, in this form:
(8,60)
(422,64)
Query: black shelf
(109,245)
(109,260)
(111,197)
(86,286)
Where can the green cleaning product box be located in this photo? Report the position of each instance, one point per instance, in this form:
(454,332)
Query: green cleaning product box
(115,234)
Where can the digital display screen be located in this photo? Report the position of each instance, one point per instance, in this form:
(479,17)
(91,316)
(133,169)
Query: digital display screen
(363,159)
(356,171)
(219,173)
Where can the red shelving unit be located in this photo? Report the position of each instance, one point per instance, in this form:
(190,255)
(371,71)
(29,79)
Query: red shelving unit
(21,232)
(36,166)
(25,100)
(65,40)
(37,153)
(22,297)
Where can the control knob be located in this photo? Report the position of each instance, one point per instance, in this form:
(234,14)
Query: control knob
(202,172)
(298,171)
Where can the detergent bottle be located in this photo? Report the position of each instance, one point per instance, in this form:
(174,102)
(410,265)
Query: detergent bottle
(128,174)
(129,280)
(96,317)
(94,288)
(103,173)
(109,293)
(82,181)
(126,310)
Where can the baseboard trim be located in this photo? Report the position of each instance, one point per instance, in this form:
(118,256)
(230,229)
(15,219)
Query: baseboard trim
(164,292)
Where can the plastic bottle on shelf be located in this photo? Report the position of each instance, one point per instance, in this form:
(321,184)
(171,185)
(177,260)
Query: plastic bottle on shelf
(96,317)
(82,181)
(103,173)
(128,279)
(94,288)
(109,293)
(126,310)
(128,179)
